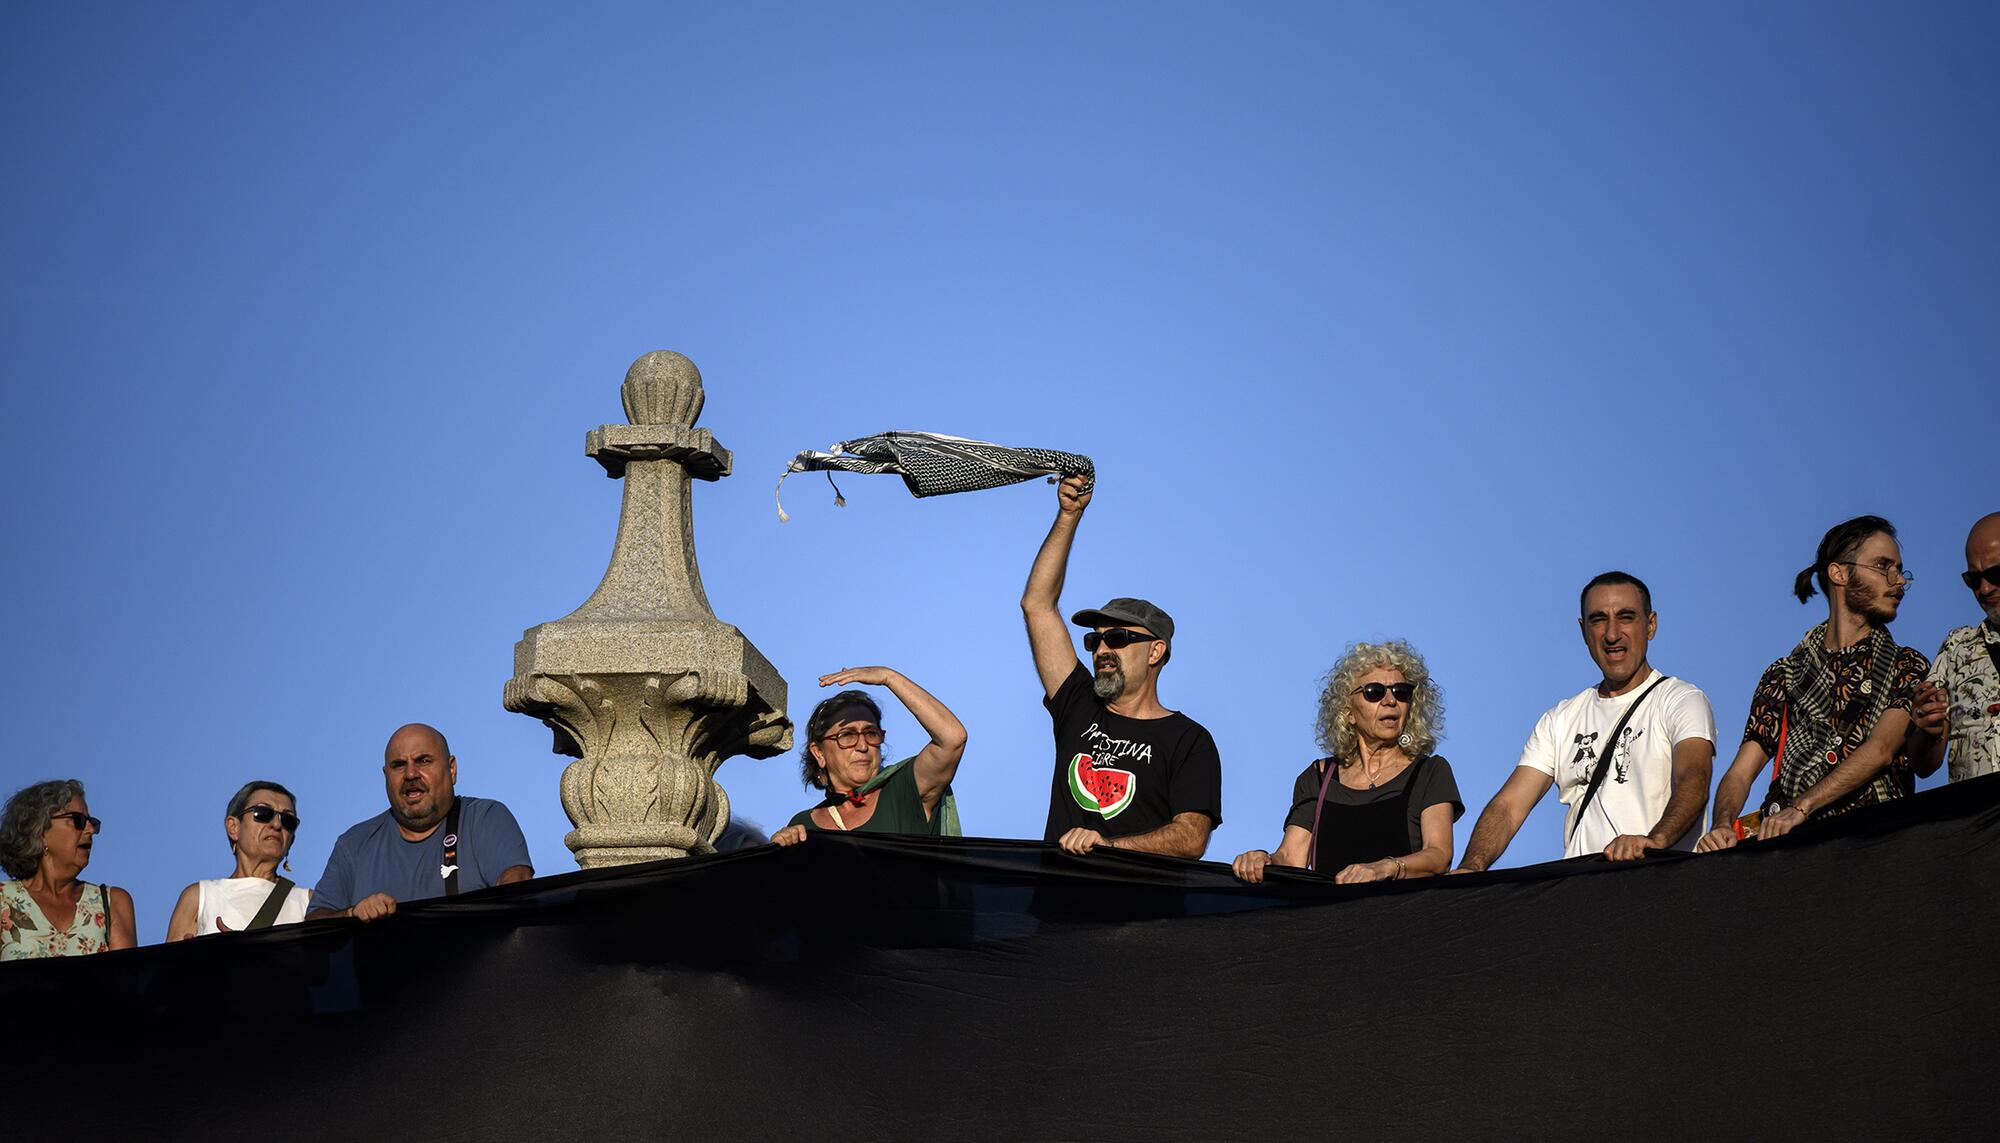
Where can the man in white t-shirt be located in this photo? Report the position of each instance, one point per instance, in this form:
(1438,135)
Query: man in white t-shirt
(1655,777)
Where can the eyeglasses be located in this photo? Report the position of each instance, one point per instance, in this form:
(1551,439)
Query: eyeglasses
(1118,638)
(1373,692)
(77,818)
(1887,571)
(1990,575)
(850,738)
(262,815)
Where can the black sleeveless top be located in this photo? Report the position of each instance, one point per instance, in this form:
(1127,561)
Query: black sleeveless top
(1358,826)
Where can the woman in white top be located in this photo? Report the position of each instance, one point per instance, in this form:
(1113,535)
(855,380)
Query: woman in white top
(262,822)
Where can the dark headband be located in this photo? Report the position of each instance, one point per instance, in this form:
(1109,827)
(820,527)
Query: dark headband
(847,710)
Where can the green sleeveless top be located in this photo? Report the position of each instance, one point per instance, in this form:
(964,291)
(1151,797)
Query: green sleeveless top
(898,809)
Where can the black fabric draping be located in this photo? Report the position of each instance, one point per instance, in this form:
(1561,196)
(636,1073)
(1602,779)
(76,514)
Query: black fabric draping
(1837,983)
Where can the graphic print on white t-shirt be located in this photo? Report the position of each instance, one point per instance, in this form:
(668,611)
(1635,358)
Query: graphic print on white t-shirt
(1621,761)
(1586,757)
(1584,763)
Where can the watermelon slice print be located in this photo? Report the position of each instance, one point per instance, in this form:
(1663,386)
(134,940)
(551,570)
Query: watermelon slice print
(1100,789)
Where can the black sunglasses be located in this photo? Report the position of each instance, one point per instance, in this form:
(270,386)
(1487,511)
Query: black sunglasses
(77,818)
(1990,575)
(1118,638)
(262,815)
(1373,692)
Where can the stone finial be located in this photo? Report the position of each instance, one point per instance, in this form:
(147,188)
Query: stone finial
(642,684)
(662,388)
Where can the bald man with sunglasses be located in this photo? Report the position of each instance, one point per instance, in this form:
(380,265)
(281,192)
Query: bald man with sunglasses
(1130,773)
(1962,703)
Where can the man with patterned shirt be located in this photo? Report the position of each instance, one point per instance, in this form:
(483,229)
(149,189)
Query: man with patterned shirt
(1836,712)
(1967,669)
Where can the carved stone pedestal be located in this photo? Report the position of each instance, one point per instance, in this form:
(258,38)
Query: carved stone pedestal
(643,685)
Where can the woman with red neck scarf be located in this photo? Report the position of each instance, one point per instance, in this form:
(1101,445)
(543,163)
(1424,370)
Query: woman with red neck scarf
(843,758)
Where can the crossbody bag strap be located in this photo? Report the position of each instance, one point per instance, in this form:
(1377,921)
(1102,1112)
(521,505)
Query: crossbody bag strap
(1312,847)
(449,869)
(1604,759)
(267,913)
(106,890)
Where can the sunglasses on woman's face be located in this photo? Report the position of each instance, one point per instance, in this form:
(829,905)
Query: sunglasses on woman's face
(1373,692)
(78,818)
(262,815)
(1118,638)
(1990,575)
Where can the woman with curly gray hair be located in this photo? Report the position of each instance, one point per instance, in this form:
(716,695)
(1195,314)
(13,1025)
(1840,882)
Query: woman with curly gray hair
(1380,806)
(46,834)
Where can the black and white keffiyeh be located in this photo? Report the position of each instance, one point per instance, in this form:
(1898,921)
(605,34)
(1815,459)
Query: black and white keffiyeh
(1815,733)
(932,464)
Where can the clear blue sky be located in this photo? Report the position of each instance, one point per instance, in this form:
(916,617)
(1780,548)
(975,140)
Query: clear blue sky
(1392,320)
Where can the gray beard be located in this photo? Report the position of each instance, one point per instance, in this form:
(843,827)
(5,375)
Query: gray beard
(1108,686)
(410,821)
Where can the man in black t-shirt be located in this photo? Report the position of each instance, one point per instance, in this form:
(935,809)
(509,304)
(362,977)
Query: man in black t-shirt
(1129,772)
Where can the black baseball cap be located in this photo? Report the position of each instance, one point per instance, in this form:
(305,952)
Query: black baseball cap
(1124,612)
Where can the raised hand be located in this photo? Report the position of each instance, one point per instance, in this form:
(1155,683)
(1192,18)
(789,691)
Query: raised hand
(1073,494)
(866,676)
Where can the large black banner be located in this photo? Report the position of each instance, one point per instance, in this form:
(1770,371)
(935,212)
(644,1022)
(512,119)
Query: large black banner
(1840,983)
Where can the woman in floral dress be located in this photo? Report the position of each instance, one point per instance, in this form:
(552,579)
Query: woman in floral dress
(46,835)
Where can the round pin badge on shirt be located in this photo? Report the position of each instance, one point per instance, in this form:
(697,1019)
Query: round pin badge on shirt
(450,840)
(1868,686)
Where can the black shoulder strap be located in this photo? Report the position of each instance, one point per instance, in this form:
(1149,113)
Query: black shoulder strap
(449,870)
(1604,758)
(267,913)
(106,890)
